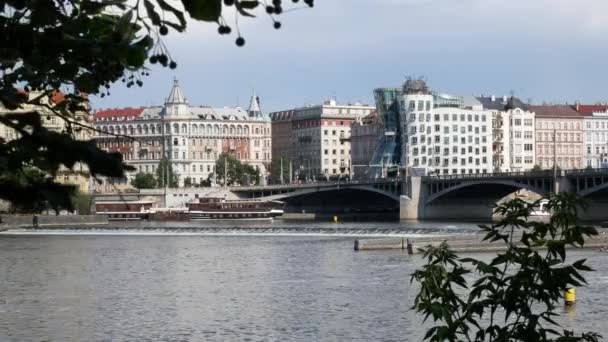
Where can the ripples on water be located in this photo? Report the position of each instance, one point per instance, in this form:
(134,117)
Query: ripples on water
(220,288)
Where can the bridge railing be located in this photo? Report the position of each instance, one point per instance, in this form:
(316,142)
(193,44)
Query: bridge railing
(518,174)
(315,184)
(586,172)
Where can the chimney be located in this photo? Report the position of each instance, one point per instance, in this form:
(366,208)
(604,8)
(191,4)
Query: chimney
(577,106)
(504,99)
(493,98)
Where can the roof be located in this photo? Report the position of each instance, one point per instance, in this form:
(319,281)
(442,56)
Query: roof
(119,112)
(499,103)
(555,111)
(590,109)
(176,96)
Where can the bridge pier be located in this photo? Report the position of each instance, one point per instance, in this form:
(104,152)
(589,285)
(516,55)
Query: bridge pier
(411,205)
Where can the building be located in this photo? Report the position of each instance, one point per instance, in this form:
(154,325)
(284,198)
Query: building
(558,131)
(444,134)
(595,134)
(513,141)
(366,134)
(319,138)
(79,175)
(386,158)
(193,136)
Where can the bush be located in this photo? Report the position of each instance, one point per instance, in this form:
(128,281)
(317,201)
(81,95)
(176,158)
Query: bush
(514,296)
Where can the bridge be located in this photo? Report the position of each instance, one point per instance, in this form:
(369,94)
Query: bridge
(466,196)
(391,188)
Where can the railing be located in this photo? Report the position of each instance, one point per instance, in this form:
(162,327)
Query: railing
(541,173)
(586,172)
(315,184)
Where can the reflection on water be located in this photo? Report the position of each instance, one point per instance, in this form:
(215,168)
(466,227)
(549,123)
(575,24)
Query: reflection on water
(220,288)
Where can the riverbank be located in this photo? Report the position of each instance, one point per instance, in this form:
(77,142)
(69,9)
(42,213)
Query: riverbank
(50,221)
(458,243)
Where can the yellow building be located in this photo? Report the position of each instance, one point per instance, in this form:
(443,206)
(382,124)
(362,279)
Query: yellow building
(79,175)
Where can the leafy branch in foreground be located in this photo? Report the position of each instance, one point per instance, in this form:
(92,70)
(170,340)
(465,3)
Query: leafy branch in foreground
(514,296)
(77,49)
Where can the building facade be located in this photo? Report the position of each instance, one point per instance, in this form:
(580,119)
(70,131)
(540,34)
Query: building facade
(319,138)
(444,134)
(559,136)
(366,134)
(513,141)
(595,135)
(190,137)
(79,175)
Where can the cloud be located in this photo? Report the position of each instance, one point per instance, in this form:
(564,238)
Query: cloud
(544,49)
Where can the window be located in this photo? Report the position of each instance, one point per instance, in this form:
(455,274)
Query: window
(517,122)
(528,122)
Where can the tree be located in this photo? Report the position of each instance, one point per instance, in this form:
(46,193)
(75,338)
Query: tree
(165,174)
(144,181)
(514,296)
(536,168)
(237,172)
(78,48)
(187,182)
(82,203)
(206,182)
(276,170)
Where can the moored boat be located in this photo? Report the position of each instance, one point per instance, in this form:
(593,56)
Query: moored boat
(223,209)
(124,210)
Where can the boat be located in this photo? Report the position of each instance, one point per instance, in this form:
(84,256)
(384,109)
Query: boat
(540,209)
(214,208)
(124,210)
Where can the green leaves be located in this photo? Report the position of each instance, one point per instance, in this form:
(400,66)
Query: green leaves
(513,297)
(144,181)
(205,10)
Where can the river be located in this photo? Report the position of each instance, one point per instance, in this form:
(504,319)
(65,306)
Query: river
(226,283)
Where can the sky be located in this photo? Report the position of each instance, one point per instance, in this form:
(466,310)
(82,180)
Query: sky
(552,51)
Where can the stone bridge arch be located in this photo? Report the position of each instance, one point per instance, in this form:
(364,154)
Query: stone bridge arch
(445,188)
(313,190)
(591,190)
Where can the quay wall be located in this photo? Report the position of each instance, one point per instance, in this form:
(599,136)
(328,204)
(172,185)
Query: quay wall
(24,221)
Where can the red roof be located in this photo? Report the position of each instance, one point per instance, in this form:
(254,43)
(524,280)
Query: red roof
(118,112)
(555,111)
(590,109)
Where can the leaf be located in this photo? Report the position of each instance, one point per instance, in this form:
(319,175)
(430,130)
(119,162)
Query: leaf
(205,10)
(155,17)
(177,13)
(248,4)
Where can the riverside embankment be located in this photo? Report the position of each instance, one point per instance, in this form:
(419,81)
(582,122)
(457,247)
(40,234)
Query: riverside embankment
(458,243)
(29,221)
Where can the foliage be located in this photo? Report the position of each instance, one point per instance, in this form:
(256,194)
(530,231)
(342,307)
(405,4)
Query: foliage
(514,296)
(82,203)
(536,168)
(206,182)
(237,172)
(78,48)
(144,180)
(187,182)
(165,174)
(276,170)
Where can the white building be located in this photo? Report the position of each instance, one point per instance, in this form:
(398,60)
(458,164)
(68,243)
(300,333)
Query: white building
(319,138)
(514,143)
(194,136)
(444,134)
(595,135)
